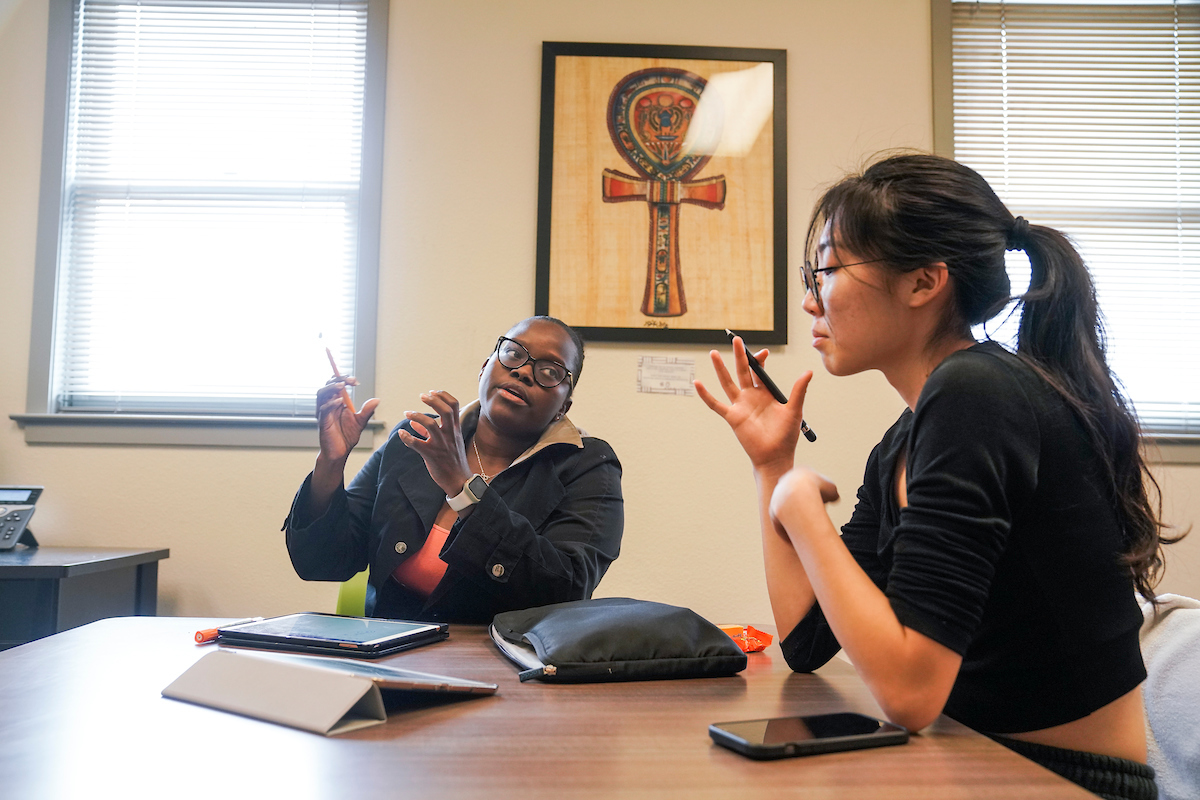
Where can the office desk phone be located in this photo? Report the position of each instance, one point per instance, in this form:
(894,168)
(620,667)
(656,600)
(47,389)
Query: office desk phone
(16,509)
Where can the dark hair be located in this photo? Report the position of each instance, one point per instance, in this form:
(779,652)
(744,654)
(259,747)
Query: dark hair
(576,339)
(913,210)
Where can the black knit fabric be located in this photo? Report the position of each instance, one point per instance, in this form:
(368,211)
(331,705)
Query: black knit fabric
(1008,552)
(1107,776)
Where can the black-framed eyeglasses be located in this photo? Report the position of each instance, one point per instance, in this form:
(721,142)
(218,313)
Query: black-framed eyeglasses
(546,373)
(813,284)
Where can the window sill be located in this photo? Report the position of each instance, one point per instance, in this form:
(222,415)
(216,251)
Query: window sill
(180,429)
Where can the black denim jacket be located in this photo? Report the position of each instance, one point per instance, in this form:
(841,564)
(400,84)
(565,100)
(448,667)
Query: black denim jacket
(545,532)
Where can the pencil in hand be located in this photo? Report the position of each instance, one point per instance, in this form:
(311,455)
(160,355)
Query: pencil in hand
(338,375)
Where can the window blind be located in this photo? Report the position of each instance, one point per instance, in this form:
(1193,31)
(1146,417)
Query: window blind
(1087,118)
(210,205)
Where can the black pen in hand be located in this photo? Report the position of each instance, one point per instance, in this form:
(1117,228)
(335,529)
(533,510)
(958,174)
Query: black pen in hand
(772,388)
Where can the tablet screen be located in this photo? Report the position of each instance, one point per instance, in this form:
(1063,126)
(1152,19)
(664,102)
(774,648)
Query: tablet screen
(330,628)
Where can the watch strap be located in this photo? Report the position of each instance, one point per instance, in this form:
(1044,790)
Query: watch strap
(469,496)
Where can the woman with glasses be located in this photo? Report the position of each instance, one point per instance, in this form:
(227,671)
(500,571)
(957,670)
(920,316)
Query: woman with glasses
(464,513)
(1005,520)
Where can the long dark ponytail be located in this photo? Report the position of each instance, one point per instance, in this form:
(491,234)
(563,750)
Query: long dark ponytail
(913,210)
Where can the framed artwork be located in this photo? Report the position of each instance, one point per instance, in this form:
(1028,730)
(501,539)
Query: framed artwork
(662,192)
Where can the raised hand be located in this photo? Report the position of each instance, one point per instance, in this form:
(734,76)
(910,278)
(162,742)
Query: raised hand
(766,429)
(339,428)
(439,441)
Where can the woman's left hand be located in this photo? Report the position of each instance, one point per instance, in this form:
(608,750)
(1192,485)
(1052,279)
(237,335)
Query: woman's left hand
(442,448)
(766,429)
(798,492)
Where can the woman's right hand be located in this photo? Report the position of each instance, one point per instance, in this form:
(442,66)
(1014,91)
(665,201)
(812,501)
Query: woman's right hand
(339,430)
(766,429)
(339,427)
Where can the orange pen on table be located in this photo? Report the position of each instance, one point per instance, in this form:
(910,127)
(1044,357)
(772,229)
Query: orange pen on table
(339,376)
(210,634)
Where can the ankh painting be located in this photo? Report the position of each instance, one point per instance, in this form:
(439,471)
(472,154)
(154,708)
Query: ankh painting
(662,192)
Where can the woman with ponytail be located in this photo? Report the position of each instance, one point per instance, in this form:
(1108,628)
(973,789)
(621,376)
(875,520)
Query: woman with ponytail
(989,568)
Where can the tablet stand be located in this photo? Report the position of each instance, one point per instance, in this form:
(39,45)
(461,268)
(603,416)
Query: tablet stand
(311,698)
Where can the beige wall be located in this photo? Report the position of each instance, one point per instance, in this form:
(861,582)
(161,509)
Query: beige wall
(459,212)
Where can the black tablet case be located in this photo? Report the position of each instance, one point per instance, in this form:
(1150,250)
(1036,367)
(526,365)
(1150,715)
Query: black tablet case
(234,638)
(618,639)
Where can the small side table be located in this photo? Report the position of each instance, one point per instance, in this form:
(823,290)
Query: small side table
(45,590)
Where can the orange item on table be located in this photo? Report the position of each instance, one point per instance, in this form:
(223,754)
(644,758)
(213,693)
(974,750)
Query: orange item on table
(750,640)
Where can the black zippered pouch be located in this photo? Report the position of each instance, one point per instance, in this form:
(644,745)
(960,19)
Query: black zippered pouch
(614,639)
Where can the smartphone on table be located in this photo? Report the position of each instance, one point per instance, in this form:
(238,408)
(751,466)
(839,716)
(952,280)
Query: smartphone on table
(784,737)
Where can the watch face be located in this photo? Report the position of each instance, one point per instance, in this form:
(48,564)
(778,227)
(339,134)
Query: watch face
(477,487)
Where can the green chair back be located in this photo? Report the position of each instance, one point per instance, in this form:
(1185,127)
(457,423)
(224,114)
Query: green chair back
(352,596)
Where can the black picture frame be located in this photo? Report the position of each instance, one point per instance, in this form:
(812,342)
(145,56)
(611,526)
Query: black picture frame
(772,321)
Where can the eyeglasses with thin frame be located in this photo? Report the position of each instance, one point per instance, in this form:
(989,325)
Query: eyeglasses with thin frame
(546,373)
(813,284)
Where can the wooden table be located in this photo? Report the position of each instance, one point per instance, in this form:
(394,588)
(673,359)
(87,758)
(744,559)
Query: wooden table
(81,716)
(45,590)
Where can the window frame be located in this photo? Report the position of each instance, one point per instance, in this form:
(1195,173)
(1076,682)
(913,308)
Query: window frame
(41,422)
(1164,448)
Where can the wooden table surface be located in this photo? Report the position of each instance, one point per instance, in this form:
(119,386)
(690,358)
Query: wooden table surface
(81,716)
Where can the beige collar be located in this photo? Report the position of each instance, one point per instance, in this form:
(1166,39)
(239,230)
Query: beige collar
(561,431)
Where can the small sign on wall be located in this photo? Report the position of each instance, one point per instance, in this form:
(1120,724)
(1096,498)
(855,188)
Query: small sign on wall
(662,375)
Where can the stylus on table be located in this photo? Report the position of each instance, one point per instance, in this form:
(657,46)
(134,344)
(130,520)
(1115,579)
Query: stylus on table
(210,634)
(339,376)
(758,370)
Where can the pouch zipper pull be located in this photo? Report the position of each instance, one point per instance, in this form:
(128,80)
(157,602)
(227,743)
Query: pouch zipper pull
(549,671)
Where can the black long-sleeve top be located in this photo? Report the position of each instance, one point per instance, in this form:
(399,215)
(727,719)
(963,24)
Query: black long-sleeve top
(1008,551)
(545,532)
